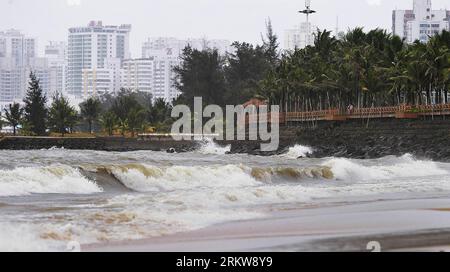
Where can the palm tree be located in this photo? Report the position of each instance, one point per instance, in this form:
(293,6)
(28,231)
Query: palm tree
(90,111)
(109,121)
(14,116)
(136,119)
(123,125)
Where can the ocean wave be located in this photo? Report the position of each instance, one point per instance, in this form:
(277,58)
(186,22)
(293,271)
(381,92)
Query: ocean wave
(402,167)
(297,151)
(148,178)
(209,147)
(62,179)
(58,179)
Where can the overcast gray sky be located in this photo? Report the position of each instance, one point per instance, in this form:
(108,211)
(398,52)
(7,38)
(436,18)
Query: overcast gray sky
(241,20)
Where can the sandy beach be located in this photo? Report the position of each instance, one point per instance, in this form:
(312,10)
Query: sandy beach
(405,225)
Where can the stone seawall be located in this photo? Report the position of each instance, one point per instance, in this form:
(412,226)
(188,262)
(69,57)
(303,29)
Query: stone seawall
(429,139)
(100,143)
(363,139)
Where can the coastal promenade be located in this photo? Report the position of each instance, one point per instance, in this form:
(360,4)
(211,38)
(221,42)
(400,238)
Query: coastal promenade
(397,112)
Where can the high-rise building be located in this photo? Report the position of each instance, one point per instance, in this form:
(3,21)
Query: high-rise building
(15,45)
(16,54)
(88,48)
(421,22)
(56,55)
(175,46)
(104,80)
(137,74)
(12,80)
(163,84)
(300,36)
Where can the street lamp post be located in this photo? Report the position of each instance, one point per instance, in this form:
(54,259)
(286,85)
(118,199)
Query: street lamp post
(308,11)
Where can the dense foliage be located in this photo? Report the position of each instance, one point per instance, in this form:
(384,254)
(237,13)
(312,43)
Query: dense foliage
(363,69)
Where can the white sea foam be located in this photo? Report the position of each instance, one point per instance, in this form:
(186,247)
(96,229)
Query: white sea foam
(21,238)
(298,151)
(146,178)
(209,147)
(405,166)
(57,179)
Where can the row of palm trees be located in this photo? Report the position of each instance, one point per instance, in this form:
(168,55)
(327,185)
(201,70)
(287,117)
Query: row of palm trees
(363,69)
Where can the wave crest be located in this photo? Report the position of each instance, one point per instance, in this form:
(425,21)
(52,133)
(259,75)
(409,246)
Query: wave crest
(58,179)
(387,168)
(209,147)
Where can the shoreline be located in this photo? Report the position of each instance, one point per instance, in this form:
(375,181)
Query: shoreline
(425,139)
(398,225)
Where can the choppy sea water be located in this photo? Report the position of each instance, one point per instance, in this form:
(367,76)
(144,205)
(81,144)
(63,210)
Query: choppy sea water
(49,198)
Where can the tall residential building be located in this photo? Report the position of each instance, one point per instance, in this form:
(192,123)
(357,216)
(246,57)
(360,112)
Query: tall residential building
(137,74)
(176,46)
(103,80)
(88,49)
(163,77)
(15,45)
(299,37)
(421,22)
(56,55)
(16,54)
(12,80)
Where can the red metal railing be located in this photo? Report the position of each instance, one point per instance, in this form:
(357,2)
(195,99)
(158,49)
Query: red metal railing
(357,113)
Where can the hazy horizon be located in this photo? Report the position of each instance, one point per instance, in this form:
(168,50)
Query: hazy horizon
(232,20)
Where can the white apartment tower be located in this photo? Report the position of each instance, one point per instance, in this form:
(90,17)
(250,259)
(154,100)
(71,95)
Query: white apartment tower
(16,46)
(88,50)
(103,80)
(56,55)
(137,74)
(299,37)
(163,76)
(16,54)
(176,46)
(421,22)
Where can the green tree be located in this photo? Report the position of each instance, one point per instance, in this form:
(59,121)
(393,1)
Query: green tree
(271,45)
(108,121)
(201,74)
(62,116)
(136,119)
(159,112)
(123,104)
(90,111)
(123,125)
(35,107)
(14,116)
(247,66)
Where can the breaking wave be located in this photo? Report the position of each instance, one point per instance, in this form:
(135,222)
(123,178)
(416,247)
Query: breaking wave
(209,147)
(402,167)
(298,151)
(147,178)
(59,179)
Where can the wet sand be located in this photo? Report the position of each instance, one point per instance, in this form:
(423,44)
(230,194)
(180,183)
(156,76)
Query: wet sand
(403,225)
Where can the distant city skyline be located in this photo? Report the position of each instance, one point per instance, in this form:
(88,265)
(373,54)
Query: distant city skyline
(234,20)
